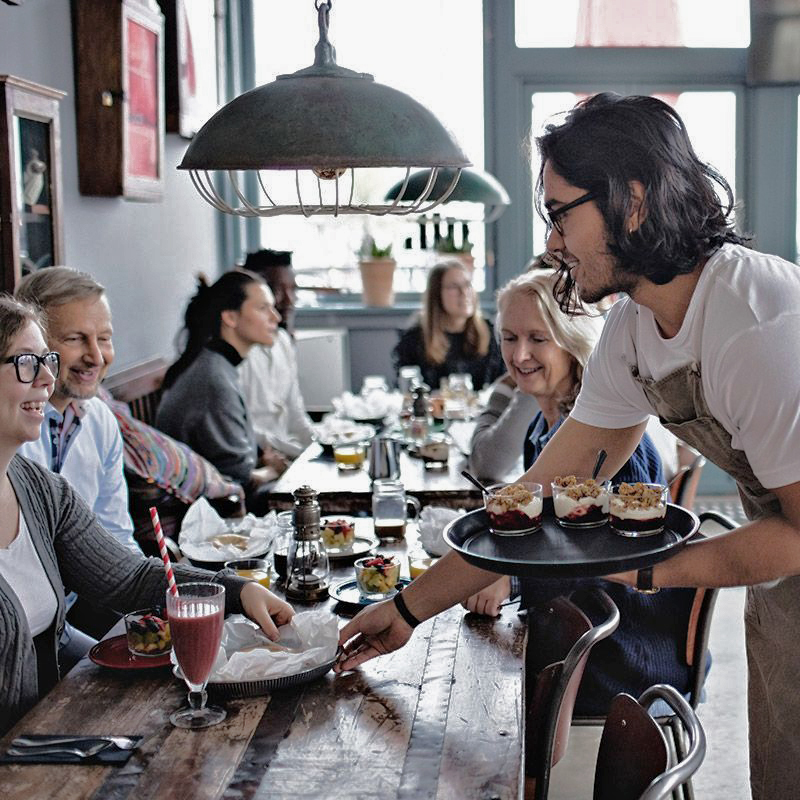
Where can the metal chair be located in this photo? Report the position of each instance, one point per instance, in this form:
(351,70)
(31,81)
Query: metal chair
(560,638)
(683,485)
(634,761)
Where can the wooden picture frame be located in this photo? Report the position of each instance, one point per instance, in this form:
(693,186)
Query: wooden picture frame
(31,230)
(119,97)
(192,62)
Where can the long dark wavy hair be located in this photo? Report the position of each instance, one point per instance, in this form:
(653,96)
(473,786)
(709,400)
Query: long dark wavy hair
(608,140)
(202,321)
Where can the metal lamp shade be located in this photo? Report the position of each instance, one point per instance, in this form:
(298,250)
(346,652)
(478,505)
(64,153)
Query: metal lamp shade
(474,186)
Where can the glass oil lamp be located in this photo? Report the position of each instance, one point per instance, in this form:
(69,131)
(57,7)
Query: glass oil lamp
(308,569)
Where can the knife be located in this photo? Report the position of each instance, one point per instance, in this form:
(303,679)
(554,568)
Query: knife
(121,742)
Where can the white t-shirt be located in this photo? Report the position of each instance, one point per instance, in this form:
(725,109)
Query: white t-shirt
(742,328)
(23,571)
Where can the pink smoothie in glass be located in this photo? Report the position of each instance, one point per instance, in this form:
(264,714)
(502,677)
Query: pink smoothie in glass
(195,640)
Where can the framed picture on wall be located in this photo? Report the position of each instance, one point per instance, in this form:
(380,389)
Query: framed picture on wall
(119,97)
(193,29)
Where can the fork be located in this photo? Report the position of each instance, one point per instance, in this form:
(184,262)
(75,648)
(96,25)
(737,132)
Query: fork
(75,751)
(120,742)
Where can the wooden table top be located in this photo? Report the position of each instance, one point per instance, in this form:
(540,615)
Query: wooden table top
(442,718)
(348,492)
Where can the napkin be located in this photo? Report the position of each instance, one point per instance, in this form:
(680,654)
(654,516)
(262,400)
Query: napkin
(375,405)
(432,522)
(202,523)
(110,755)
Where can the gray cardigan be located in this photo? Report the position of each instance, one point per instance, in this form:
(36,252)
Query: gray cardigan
(205,408)
(77,554)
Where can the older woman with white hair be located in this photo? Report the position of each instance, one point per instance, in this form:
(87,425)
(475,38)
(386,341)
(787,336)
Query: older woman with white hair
(545,352)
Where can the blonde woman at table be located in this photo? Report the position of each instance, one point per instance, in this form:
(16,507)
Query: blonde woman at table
(49,538)
(545,352)
(451,335)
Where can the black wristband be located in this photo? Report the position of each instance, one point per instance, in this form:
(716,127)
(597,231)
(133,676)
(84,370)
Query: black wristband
(644,581)
(400,605)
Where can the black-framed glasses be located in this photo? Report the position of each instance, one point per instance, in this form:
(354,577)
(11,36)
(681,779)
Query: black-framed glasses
(27,365)
(556,214)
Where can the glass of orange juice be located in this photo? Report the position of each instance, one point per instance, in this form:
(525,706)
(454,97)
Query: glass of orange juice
(418,562)
(257,569)
(349,455)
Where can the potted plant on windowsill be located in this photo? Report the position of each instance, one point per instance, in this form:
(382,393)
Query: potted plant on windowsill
(462,252)
(377,273)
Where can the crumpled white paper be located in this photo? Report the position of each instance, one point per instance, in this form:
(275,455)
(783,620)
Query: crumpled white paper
(310,640)
(375,405)
(335,429)
(431,524)
(202,523)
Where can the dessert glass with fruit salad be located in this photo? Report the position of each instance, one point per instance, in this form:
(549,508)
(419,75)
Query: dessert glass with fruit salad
(580,502)
(147,632)
(377,576)
(638,509)
(514,509)
(338,534)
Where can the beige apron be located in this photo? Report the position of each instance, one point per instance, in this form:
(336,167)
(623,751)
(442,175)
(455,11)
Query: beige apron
(772,611)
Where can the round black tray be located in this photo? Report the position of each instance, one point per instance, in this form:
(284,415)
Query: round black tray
(556,552)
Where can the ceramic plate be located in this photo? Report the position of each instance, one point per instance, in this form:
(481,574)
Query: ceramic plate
(114,653)
(348,592)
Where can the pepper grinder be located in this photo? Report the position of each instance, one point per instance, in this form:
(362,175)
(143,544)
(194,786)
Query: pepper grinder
(421,421)
(308,568)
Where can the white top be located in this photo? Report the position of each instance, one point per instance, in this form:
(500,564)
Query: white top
(92,461)
(268,376)
(21,567)
(742,328)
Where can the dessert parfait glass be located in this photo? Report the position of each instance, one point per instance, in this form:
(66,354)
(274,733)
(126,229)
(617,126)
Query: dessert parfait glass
(147,632)
(638,509)
(196,617)
(514,508)
(580,502)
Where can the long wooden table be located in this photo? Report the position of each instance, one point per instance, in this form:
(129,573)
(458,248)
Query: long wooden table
(348,492)
(442,718)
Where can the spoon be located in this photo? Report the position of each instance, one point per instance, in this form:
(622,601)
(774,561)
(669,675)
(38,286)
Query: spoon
(601,457)
(474,481)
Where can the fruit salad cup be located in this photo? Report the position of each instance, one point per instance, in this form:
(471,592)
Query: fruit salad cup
(377,576)
(148,632)
(338,534)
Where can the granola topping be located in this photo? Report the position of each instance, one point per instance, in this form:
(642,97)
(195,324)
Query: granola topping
(639,496)
(577,489)
(513,496)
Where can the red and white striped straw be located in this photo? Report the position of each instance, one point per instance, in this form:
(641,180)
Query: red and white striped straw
(162,546)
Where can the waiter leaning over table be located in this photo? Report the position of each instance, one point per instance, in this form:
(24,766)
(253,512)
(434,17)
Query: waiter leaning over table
(708,339)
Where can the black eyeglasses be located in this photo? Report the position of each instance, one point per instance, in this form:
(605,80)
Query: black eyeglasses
(557,213)
(27,365)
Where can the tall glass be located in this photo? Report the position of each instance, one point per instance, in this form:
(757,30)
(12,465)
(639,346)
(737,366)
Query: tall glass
(196,617)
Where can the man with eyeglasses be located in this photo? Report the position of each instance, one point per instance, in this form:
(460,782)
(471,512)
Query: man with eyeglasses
(707,339)
(80,437)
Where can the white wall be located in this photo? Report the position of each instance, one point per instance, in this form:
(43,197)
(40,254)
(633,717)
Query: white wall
(145,254)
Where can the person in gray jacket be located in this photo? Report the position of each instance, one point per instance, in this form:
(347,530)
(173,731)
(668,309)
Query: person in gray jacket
(49,538)
(203,404)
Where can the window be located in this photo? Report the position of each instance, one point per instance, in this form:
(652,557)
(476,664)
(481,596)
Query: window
(633,23)
(430,49)
(710,119)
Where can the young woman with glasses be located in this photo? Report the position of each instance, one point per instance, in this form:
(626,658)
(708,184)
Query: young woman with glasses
(49,537)
(451,336)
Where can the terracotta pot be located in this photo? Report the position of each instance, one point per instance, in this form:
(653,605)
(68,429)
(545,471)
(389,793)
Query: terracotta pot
(376,279)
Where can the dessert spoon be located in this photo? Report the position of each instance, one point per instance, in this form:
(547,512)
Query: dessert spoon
(474,481)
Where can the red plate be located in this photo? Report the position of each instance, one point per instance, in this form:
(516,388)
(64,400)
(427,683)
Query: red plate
(114,653)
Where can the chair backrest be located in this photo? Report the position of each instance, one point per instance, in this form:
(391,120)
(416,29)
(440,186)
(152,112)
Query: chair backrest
(560,638)
(683,486)
(633,761)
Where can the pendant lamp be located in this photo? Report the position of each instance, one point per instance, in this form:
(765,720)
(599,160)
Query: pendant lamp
(327,124)
(474,186)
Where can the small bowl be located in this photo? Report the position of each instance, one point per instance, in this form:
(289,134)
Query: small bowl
(377,576)
(147,632)
(514,508)
(638,509)
(256,569)
(580,502)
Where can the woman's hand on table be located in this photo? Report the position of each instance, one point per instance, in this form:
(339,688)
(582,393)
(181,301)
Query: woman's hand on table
(488,601)
(375,631)
(265,608)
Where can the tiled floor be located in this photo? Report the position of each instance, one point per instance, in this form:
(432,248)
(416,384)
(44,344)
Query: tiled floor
(724,773)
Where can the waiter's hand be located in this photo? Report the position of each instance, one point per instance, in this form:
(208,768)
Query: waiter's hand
(625,578)
(377,630)
(265,608)
(487,601)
